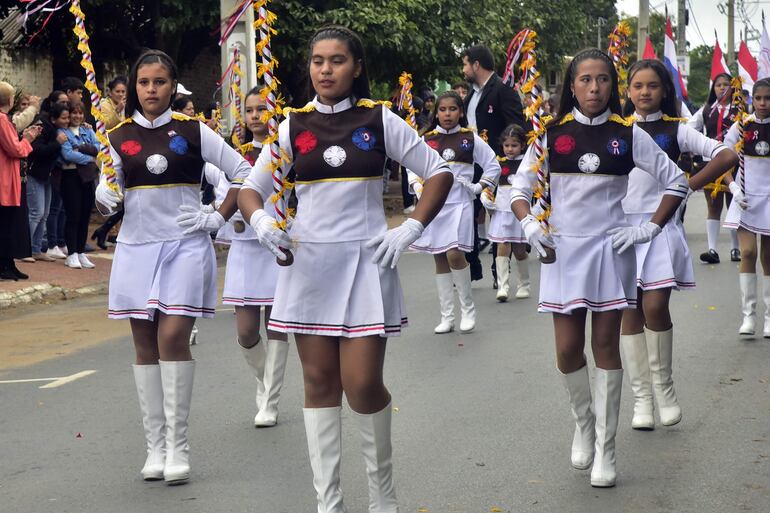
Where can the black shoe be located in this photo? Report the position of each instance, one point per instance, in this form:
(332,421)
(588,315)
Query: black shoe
(710,257)
(88,248)
(7,274)
(735,255)
(15,271)
(494,279)
(483,243)
(113,239)
(100,236)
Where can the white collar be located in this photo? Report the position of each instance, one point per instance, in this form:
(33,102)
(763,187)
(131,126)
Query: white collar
(585,120)
(257,144)
(478,88)
(159,121)
(755,119)
(651,117)
(452,130)
(345,104)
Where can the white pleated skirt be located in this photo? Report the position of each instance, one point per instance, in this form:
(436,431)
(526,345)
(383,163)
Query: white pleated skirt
(452,228)
(755,219)
(334,289)
(504,227)
(665,261)
(251,275)
(177,277)
(587,273)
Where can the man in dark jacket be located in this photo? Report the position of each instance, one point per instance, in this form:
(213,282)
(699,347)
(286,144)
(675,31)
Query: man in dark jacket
(490,106)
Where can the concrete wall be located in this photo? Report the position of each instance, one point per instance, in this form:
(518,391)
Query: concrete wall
(27,69)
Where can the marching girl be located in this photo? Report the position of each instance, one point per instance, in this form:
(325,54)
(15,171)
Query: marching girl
(716,117)
(504,228)
(450,235)
(164,272)
(250,279)
(590,152)
(334,297)
(751,216)
(664,263)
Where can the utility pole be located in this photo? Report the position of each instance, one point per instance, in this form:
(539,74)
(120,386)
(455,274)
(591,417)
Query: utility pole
(643,29)
(730,31)
(600,22)
(681,28)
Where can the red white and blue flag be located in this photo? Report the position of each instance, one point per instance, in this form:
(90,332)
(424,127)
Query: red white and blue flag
(669,60)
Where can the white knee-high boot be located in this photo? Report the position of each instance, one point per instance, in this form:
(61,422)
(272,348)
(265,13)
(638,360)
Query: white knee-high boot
(637,367)
(607,407)
(177,380)
(378,452)
(660,354)
(523,287)
(766,297)
(149,388)
(579,390)
(275,366)
(446,299)
(748,283)
(462,281)
(502,264)
(255,356)
(323,428)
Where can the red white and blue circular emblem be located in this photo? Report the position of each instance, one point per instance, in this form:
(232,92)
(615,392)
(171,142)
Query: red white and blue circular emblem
(364,139)
(617,146)
(465,144)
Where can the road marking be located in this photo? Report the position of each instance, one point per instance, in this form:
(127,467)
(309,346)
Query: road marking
(54,382)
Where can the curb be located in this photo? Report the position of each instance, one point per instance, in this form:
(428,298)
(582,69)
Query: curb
(47,292)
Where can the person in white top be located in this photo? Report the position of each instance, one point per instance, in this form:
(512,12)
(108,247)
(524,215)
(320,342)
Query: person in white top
(450,236)
(164,272)
(664,263)
(339,303)
(590,152)
(751,216)
(715,119)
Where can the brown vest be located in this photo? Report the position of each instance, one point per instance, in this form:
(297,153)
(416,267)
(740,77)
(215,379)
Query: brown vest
(756,140)
(664,133)
(508,168)
(345,145)
(456,147)
(711,121)
(605,149)
(166,155)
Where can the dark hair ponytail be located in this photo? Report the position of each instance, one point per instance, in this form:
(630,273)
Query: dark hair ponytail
(762,82)
(454,96)
(670,102)
(148,57)
(567,101)
(713,94)
(355,47)
(516,132)
(120,79)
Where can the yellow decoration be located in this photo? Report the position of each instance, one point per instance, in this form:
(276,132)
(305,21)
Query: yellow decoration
(618,51)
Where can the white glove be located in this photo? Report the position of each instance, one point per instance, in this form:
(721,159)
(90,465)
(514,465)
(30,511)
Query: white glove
(624,237)
(473,188)
(417,187)
(487,200)
(193,219)
(535,235)
(738,195)
(268,233)
(394,242)
(106,196)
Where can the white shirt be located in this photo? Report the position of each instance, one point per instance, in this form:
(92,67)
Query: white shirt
(644,191)
(346,210)
(151,212)
(473,103)
(585,205)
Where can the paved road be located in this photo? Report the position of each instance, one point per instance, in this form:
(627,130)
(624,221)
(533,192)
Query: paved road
(482,421)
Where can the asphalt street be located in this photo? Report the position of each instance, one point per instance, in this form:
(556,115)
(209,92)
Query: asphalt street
(481,421)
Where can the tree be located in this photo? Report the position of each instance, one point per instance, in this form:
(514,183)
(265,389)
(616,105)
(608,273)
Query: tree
(700,74)
(657,31)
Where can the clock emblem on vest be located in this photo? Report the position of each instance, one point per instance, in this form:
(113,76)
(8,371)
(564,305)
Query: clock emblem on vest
(156,164)
(589,163)
(335,156)
(762,148)
(448,154)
